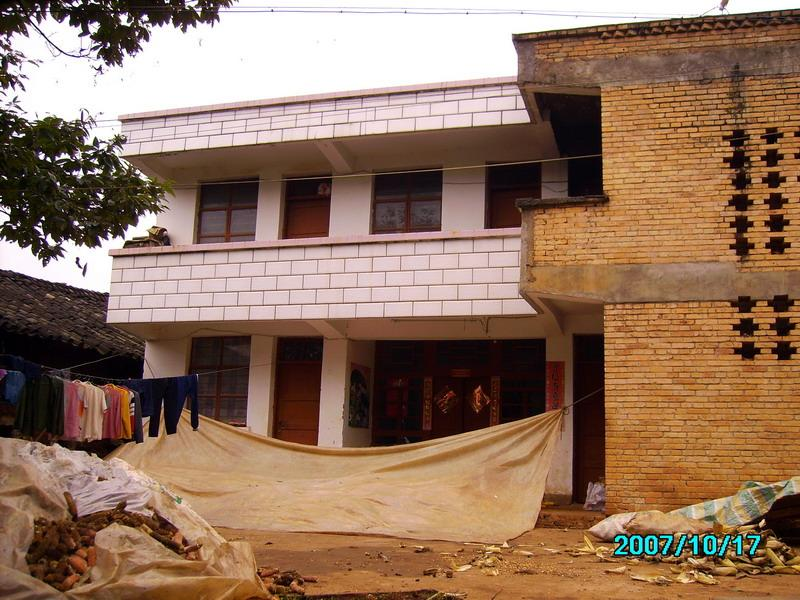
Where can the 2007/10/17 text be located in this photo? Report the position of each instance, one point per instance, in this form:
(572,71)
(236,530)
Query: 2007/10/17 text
(675,545)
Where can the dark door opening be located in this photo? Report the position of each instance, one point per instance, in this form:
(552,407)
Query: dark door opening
(589,463)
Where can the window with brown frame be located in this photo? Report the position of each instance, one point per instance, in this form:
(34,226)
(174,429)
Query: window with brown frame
(308,208)
(224,367)
(227,212)
(407,202)
(507,184)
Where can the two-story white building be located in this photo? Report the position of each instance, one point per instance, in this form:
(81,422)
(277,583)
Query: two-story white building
(350,262)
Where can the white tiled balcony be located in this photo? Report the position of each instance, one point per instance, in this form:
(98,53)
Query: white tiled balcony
(395,275)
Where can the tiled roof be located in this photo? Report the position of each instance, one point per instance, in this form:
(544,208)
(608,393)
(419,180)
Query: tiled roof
(740,21)
(56,311)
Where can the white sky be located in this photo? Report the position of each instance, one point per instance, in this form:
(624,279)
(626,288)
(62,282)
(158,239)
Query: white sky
(248,56)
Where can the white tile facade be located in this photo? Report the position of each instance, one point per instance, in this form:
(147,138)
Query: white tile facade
(450,277)
(470,106)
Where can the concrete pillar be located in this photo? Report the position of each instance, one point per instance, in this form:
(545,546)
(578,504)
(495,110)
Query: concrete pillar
(166,358)
(260,387)
(269,216)
(351,206)
(559,480)
(464,199)
(332,393)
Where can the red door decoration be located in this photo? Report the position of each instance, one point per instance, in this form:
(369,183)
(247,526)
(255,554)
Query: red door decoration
(554,385)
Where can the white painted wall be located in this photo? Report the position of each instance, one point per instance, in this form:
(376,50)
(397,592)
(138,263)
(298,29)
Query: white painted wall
(351,206)
(361,353)
(464,200)
(261,387)
(559,480)
(179,217)
(166,358)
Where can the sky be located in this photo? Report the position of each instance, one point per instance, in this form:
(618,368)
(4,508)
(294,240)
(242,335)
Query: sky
(254,54)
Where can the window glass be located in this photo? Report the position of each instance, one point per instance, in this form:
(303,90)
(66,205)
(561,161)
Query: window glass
(408,202)
(227,211)
(390,216)
(223,366)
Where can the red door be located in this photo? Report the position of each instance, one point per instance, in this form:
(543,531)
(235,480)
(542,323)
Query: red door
(298,377)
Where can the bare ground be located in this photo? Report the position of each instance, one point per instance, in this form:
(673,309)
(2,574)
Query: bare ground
(361,564)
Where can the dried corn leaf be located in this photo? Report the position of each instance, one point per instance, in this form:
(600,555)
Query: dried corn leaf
(618,570)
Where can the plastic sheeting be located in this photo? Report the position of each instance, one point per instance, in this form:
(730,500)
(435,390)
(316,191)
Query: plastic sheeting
(485,485)
(130,564)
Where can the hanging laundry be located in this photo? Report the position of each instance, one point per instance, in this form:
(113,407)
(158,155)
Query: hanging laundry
(175,392)
(17,363)
(73,407)
(136,415)
(41,407)
(112,419)
(13,386)
(94,407)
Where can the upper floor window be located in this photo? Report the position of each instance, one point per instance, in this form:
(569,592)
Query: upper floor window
(408,202)
(224,366)
(507,184)
(308,208)
(227,212)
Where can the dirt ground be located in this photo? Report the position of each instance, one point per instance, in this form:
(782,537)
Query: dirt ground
(352,563)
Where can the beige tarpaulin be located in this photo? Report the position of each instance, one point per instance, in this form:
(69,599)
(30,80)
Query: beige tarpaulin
(485,485)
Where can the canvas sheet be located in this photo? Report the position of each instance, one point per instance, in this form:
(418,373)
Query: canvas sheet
(482,486)
(750,503)
(130,564)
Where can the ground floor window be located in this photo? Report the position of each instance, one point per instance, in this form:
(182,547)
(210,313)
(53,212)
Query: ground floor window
(432,389)
(224,367)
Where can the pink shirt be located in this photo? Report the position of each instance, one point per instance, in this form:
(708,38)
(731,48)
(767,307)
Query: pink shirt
(72,411)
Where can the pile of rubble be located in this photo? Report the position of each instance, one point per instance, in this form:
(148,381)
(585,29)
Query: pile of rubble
(282,583)
(62,553)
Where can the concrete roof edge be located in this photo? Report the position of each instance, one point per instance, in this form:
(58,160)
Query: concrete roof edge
(643,26)
(403,89)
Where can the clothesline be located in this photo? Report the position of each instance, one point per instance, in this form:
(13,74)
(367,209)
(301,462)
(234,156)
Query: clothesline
(80,410)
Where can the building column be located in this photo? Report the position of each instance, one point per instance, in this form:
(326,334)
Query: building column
(166,358)
(332,395)
(260,387)
(559,481)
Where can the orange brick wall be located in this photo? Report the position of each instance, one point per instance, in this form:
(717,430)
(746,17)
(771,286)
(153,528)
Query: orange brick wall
(668,184)
(686,418)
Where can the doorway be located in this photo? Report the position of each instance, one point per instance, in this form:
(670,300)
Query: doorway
(298,377)
(589,421)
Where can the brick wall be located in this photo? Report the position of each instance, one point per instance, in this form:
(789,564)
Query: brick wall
(664,153)
(427,278)
(687,419)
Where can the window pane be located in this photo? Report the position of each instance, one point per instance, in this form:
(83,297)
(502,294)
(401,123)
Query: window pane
(390,216)
(207,384)
(243,221)
(390,186)
(425,184)
(205,351)
(233,411)
(206,406)
(234,383)
(426,214)
(308,188)
(236,351)
(244,193)
(213,195)
(212,222)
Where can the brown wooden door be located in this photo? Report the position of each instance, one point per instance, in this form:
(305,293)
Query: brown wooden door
(461,417)
(589,415)
(297,389)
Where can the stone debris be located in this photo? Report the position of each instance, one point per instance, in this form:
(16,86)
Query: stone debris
(62,553)
(283,583)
